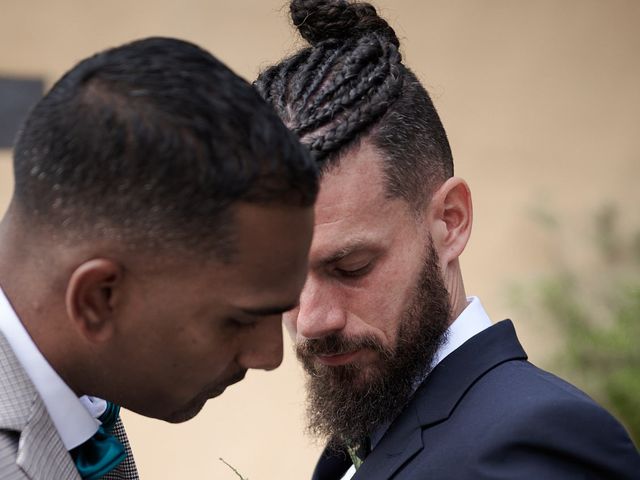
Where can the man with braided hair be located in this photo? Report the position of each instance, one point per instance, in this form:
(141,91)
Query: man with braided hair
(407,377)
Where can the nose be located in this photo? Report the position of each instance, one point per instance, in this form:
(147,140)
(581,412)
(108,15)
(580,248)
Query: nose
(263,345)
(320,312)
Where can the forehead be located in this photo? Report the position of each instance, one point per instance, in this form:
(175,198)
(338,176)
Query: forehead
(352,206)
(272,243)
(269,264)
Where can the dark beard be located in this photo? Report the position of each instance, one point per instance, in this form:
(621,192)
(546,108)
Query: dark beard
(347,403)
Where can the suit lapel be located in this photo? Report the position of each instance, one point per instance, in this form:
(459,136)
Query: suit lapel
(437,398)
(400,443)
(41,454)
(17,393)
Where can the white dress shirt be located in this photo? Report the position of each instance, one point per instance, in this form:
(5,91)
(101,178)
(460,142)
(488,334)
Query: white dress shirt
(74,418)
(469,323)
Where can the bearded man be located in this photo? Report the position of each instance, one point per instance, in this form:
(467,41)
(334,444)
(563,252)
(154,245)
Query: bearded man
(407,376)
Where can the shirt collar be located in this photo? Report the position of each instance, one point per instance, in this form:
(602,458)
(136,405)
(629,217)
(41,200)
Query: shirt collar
(469,323)
(72,420)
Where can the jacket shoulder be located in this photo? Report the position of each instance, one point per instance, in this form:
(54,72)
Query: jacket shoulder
(530,423)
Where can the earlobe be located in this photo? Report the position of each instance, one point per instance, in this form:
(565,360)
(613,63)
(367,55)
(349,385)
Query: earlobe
(91,298)
(452,217)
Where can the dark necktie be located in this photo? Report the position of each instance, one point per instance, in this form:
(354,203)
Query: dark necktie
(358,451)
(103,452)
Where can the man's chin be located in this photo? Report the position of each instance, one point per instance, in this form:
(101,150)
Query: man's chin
(186,413)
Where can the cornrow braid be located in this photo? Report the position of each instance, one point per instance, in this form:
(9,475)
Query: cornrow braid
(317,58)
(346,95)
(339,86)
(374,103)
(277,89)
(351,84)
(320,74)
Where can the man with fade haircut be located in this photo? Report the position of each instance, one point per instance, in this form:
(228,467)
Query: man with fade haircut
(159,227)
(407,376)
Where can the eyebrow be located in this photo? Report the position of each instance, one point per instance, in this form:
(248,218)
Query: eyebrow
(344,251)
(266,311)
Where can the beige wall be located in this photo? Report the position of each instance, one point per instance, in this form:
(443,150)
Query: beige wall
(542,105)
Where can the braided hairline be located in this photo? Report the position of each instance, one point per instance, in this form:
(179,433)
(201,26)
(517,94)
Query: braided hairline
(305,73)
(320,74)
(355,122)
(331,93)
(380,98)
(368,77)
(277,95)
(374,73)
(371,108)
(367,50)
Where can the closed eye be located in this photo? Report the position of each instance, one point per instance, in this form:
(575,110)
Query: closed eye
(354,272)
(242,323)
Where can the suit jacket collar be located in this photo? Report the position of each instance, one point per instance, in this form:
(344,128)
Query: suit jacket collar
(17,393)
(434,401)
(41,454)
(439,394)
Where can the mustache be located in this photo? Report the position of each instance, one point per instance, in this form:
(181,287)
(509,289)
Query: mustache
(336,344)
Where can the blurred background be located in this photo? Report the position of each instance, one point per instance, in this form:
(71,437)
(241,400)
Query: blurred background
(541,101)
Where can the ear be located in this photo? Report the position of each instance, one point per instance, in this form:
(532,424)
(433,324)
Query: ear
(91,298)
(450,217)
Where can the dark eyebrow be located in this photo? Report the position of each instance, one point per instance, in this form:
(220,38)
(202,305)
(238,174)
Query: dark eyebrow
(344,251)
(267,311)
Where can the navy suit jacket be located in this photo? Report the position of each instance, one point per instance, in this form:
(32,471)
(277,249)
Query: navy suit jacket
(485,412)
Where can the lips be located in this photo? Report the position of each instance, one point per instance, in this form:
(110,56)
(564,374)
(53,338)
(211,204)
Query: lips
(338,359)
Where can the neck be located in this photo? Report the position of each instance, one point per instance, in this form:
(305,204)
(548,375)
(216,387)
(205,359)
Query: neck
(455,286)
(26,277)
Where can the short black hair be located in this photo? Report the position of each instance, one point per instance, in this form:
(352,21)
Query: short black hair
(152,141)
(351,84)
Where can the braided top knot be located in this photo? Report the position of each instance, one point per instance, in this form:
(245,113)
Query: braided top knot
(320,20)
(350,85)
(333,92)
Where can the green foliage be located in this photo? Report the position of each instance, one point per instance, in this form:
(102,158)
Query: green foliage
(595,303)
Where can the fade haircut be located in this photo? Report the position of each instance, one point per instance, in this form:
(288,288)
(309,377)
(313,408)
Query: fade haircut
(152,142)
(350,85)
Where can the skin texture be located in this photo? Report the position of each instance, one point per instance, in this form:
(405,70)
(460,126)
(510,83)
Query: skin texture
(365,258)
(159,332)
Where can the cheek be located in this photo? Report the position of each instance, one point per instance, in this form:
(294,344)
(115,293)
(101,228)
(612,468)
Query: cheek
(385,299)
(385,315)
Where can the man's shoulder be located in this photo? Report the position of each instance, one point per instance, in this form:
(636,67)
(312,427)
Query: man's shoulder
(492,370)
(529,385)
(523,422)
(516,395)
(517,392)
(509,418)
(544,424)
